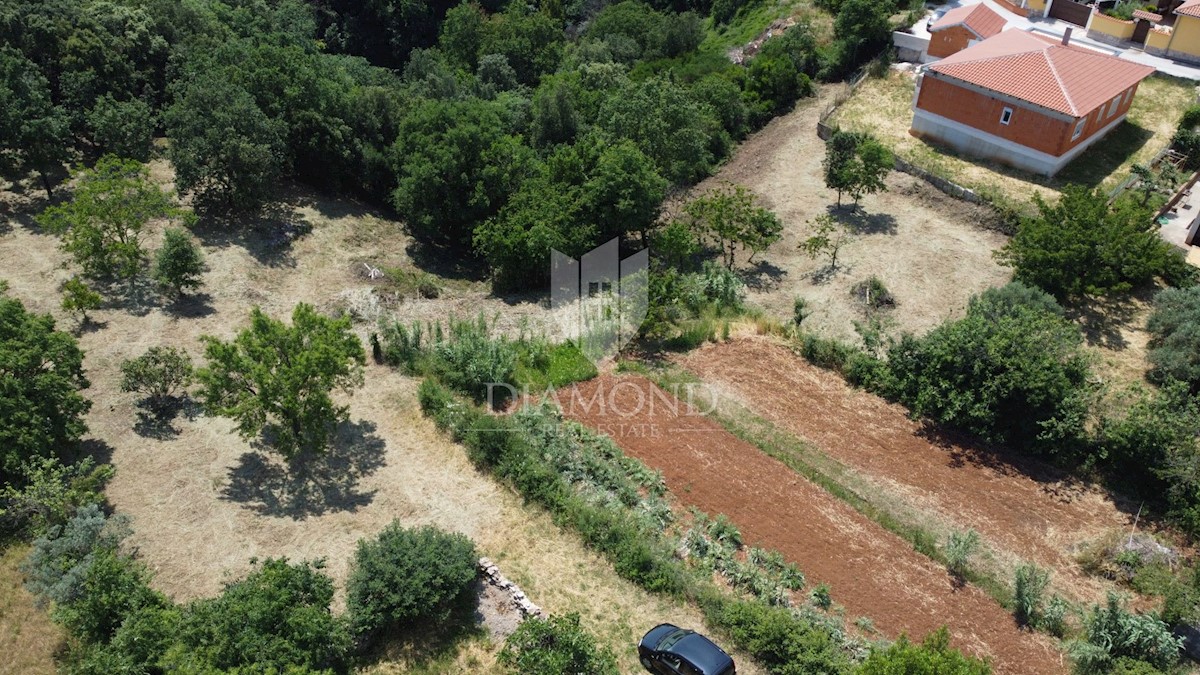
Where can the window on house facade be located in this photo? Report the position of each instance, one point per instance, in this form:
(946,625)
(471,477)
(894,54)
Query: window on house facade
(1079,128)
(1006,116)
(1128,95)
(1113,105)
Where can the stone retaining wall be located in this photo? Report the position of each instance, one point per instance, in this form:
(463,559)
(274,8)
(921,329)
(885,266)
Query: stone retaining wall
(493,577)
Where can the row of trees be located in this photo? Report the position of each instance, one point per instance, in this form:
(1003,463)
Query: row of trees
(482,124)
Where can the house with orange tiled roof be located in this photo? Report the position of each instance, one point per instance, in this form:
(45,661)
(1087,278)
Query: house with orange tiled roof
(962,27)
(1024,100)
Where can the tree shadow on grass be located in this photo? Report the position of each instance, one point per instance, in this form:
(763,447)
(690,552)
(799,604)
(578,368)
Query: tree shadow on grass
(858,221)
(1103,318)
(158,422)
(267,235)
(191,306)
(763,276)
(310,485)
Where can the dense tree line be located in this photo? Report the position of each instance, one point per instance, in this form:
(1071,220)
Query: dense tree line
(499,129)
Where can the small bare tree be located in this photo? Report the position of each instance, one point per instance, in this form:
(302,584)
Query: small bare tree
(827,240)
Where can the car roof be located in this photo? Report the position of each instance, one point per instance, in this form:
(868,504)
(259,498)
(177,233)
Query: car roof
(700,651)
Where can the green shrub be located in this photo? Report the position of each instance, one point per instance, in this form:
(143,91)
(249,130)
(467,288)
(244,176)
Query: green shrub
(826,352)
(407,577)
(1174,327)
(1112,633)
(1190,118)
(960,547)
(781,641)
(1027,385)
(934,656)
(554,646)
(873,294)
(276,619)
(114,588)
(158,374)
(1029,589)
(57,567)
(79,299)
(52,493)
(179,264)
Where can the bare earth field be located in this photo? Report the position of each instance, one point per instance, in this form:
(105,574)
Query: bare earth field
(931,251)
(1023,510)
(870,571)
(203,501)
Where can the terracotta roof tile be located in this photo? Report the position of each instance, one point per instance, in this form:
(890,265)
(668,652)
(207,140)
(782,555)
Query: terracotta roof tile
(1066,78)
(979,18)
(1149,16)
(1189,8)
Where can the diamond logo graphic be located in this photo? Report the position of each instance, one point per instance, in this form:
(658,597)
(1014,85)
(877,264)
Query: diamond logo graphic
(599,300)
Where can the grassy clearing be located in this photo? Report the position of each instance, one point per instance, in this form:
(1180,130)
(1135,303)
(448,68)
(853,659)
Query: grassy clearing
(883,107)
(28,639)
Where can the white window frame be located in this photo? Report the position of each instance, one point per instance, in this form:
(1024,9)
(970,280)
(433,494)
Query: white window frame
(1112,106)
(1128,94)
(1079,128)
(1006,116)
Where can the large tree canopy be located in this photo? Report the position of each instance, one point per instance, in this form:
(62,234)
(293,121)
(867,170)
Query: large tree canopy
(41,373)
(279,378)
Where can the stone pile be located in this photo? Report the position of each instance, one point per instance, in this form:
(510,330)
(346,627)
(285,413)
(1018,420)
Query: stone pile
(493,577)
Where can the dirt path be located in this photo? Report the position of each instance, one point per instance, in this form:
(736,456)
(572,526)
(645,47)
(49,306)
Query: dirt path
(931,251)
(1022,509)
(870,571)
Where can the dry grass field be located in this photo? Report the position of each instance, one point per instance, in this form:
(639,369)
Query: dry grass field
(883,107)
(28,639)
(203,501)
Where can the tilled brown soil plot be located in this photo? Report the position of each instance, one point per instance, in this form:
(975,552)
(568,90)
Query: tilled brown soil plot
(870,571)
(1023,510)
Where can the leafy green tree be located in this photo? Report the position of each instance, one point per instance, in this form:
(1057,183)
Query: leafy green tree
(225,149)
(672,129)
(933,656)
(179,264)
(278,378)
(773,85)
(1081,246)
(623,192)
(407,577)
(41,373)
(855,163)
(1174,327)
(51,494)
(862,29)
(553,646)
(276,619)
(122,128)
(102,224)
(555,119)
(462,34)
(827,239)
(455,167)
(724,99)
(79,299)
(1025,383)
(531,41)
(731,217)
(158,374)
(114,587)
(34,133)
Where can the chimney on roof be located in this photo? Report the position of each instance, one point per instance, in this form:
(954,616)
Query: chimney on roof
(1067,37)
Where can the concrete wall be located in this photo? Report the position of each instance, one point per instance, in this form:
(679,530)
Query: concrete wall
(1014,7)
(944,42)
(910,48)
(971,141)
(1106,29)
(1185,39)
(1157,40)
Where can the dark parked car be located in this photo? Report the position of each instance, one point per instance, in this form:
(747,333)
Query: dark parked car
(671,650)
